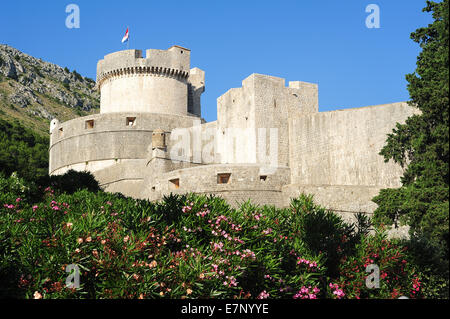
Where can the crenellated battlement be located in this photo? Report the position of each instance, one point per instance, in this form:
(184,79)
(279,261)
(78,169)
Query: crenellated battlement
(160,82)
(174,62)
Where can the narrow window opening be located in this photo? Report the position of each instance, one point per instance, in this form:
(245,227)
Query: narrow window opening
(223,178)
(263,178)
(131,121)
(174,183)
(89,124)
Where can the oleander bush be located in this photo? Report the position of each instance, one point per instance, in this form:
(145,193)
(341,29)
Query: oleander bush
(397,276)
(189,247)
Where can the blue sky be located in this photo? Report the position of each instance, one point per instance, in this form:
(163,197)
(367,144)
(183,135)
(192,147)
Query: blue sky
(325,42)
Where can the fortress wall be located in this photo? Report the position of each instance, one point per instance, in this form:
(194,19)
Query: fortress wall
(97,167)
(346,200)
(131,188)
(122,175)
(125,177)
(275,104)
(334,156)
(160,161)
(263,102)
(74,144)
(307,94)
(144,93)
(202,139)
(341,147)
(244,183)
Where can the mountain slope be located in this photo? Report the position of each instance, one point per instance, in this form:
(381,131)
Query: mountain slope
(34,91)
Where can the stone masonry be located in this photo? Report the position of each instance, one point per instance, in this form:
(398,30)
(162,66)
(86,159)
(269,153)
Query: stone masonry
(269,143)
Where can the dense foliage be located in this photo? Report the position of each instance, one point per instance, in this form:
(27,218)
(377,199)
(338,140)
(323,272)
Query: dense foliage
(190,247)
(22,151)
(421,145)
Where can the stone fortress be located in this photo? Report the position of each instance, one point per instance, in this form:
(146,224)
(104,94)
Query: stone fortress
(269,143)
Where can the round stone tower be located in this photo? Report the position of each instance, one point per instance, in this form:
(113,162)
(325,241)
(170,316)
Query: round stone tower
(142,100)
(158,83)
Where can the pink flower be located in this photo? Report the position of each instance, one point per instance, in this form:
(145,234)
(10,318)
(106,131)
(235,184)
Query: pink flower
(305,293)
(263,295)
(34,208)
(18,200)
(339,293)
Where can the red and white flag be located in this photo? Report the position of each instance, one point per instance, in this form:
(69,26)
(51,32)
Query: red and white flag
(125,38)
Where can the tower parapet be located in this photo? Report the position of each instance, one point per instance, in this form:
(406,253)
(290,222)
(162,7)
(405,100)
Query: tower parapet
(158,83)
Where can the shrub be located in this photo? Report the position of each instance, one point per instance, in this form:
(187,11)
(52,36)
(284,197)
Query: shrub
(432,266)
(323,232)
(182,247)
(77,75)
(71,182)
(397,275)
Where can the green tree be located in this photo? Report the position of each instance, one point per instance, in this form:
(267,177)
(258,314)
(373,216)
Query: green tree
(22,151)
(421,145)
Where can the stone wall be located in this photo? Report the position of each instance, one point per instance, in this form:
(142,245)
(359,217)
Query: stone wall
(342,147)
(245,182)
(335,156)
(263,105)
(117,144)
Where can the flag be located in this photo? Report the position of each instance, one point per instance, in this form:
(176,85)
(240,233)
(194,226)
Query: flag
(125,38)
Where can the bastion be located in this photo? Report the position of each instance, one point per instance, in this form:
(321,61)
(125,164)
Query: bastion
(269,143)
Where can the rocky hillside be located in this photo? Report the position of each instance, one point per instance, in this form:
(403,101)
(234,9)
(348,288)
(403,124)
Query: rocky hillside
(34,91)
